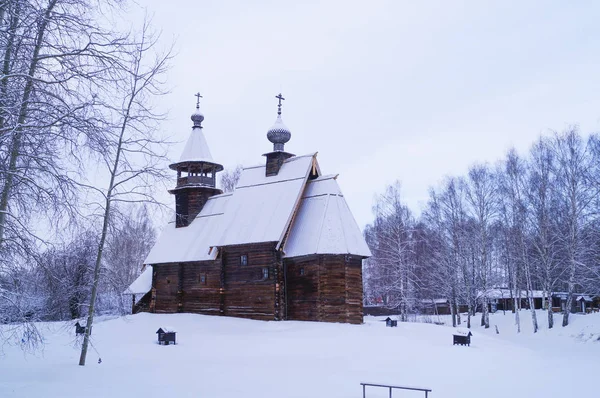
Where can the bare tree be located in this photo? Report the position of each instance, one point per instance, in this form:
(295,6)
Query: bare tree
(131,155)
(55,55)
(446,215)
(393,264)
(573,167)
(230,178)
(481,196)
(131,237)
(513,186)
(542,229)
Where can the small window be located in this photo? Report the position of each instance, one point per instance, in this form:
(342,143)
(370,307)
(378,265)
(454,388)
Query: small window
(244,259)
(168,280)
(203,279)
(301,271)
(265,273)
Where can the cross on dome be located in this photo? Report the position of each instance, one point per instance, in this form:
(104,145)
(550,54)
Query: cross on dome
(280,97)
(197,117)
(279,133)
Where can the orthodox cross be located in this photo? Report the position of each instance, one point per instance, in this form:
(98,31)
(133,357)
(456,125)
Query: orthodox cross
(280,98)
(198,101)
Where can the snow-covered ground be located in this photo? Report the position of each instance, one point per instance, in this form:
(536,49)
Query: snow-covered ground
(226,358)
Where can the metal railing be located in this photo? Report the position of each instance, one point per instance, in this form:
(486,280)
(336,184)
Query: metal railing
(364,386)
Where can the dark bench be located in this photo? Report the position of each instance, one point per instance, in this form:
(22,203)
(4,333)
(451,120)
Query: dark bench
(166,336)
(79,330)
(462,339)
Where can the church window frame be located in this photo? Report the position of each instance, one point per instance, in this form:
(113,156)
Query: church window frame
(265,273)
(244,260)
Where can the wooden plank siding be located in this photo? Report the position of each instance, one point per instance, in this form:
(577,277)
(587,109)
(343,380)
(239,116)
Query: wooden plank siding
(325,288)
(329,290)
(166,282)
(201,287)
(247,293)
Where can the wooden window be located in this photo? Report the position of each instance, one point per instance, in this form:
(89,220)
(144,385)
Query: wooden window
(265,273)
(202,279)
(244,259)
(301,271)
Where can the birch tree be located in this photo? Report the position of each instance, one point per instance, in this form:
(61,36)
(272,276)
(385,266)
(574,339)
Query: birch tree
(512,187)
(541,220)
(481,196)
(445,215)
(572,180)
(394,255)
(133,153)
(54,57)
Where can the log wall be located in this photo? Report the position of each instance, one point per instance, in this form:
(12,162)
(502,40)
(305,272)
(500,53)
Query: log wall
(325,288)
(165,284)
(247,293)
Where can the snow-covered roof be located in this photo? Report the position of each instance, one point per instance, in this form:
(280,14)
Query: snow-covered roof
(584,298)
(504,293)
(462,331)
(191,243)
(261,207)
(436,301)
(141,285)
(196,148)
(324,223)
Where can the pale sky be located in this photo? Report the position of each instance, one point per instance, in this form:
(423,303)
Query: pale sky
(383,90)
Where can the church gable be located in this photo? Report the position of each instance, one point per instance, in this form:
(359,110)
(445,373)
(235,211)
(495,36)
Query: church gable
(324,223)
(262,206)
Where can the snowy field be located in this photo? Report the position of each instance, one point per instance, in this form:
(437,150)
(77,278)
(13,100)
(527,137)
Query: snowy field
(227,358)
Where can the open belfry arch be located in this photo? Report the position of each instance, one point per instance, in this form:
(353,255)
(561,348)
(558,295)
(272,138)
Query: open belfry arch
(283,245)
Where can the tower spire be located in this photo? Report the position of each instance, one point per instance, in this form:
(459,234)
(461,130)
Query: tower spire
(196,173)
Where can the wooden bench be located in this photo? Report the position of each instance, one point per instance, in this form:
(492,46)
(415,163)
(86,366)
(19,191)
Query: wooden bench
(79,330)
(166,336)
(462,339)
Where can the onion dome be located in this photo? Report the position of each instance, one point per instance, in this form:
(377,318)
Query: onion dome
(279,134)
(197,117)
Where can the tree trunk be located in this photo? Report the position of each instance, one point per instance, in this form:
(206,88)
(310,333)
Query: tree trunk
(105,221)
(550,314)
(452,304)
(23,112)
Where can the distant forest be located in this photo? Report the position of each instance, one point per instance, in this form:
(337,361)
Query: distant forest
(528,223)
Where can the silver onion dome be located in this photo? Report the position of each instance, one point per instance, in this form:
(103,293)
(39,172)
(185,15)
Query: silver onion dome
(197,118)
(279,134)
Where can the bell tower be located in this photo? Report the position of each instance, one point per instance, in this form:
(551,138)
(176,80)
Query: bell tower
(196,173)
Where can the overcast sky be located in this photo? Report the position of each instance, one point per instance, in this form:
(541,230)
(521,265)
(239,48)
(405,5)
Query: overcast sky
(383,90)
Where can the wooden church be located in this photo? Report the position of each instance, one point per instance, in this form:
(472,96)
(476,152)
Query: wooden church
(283,246)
